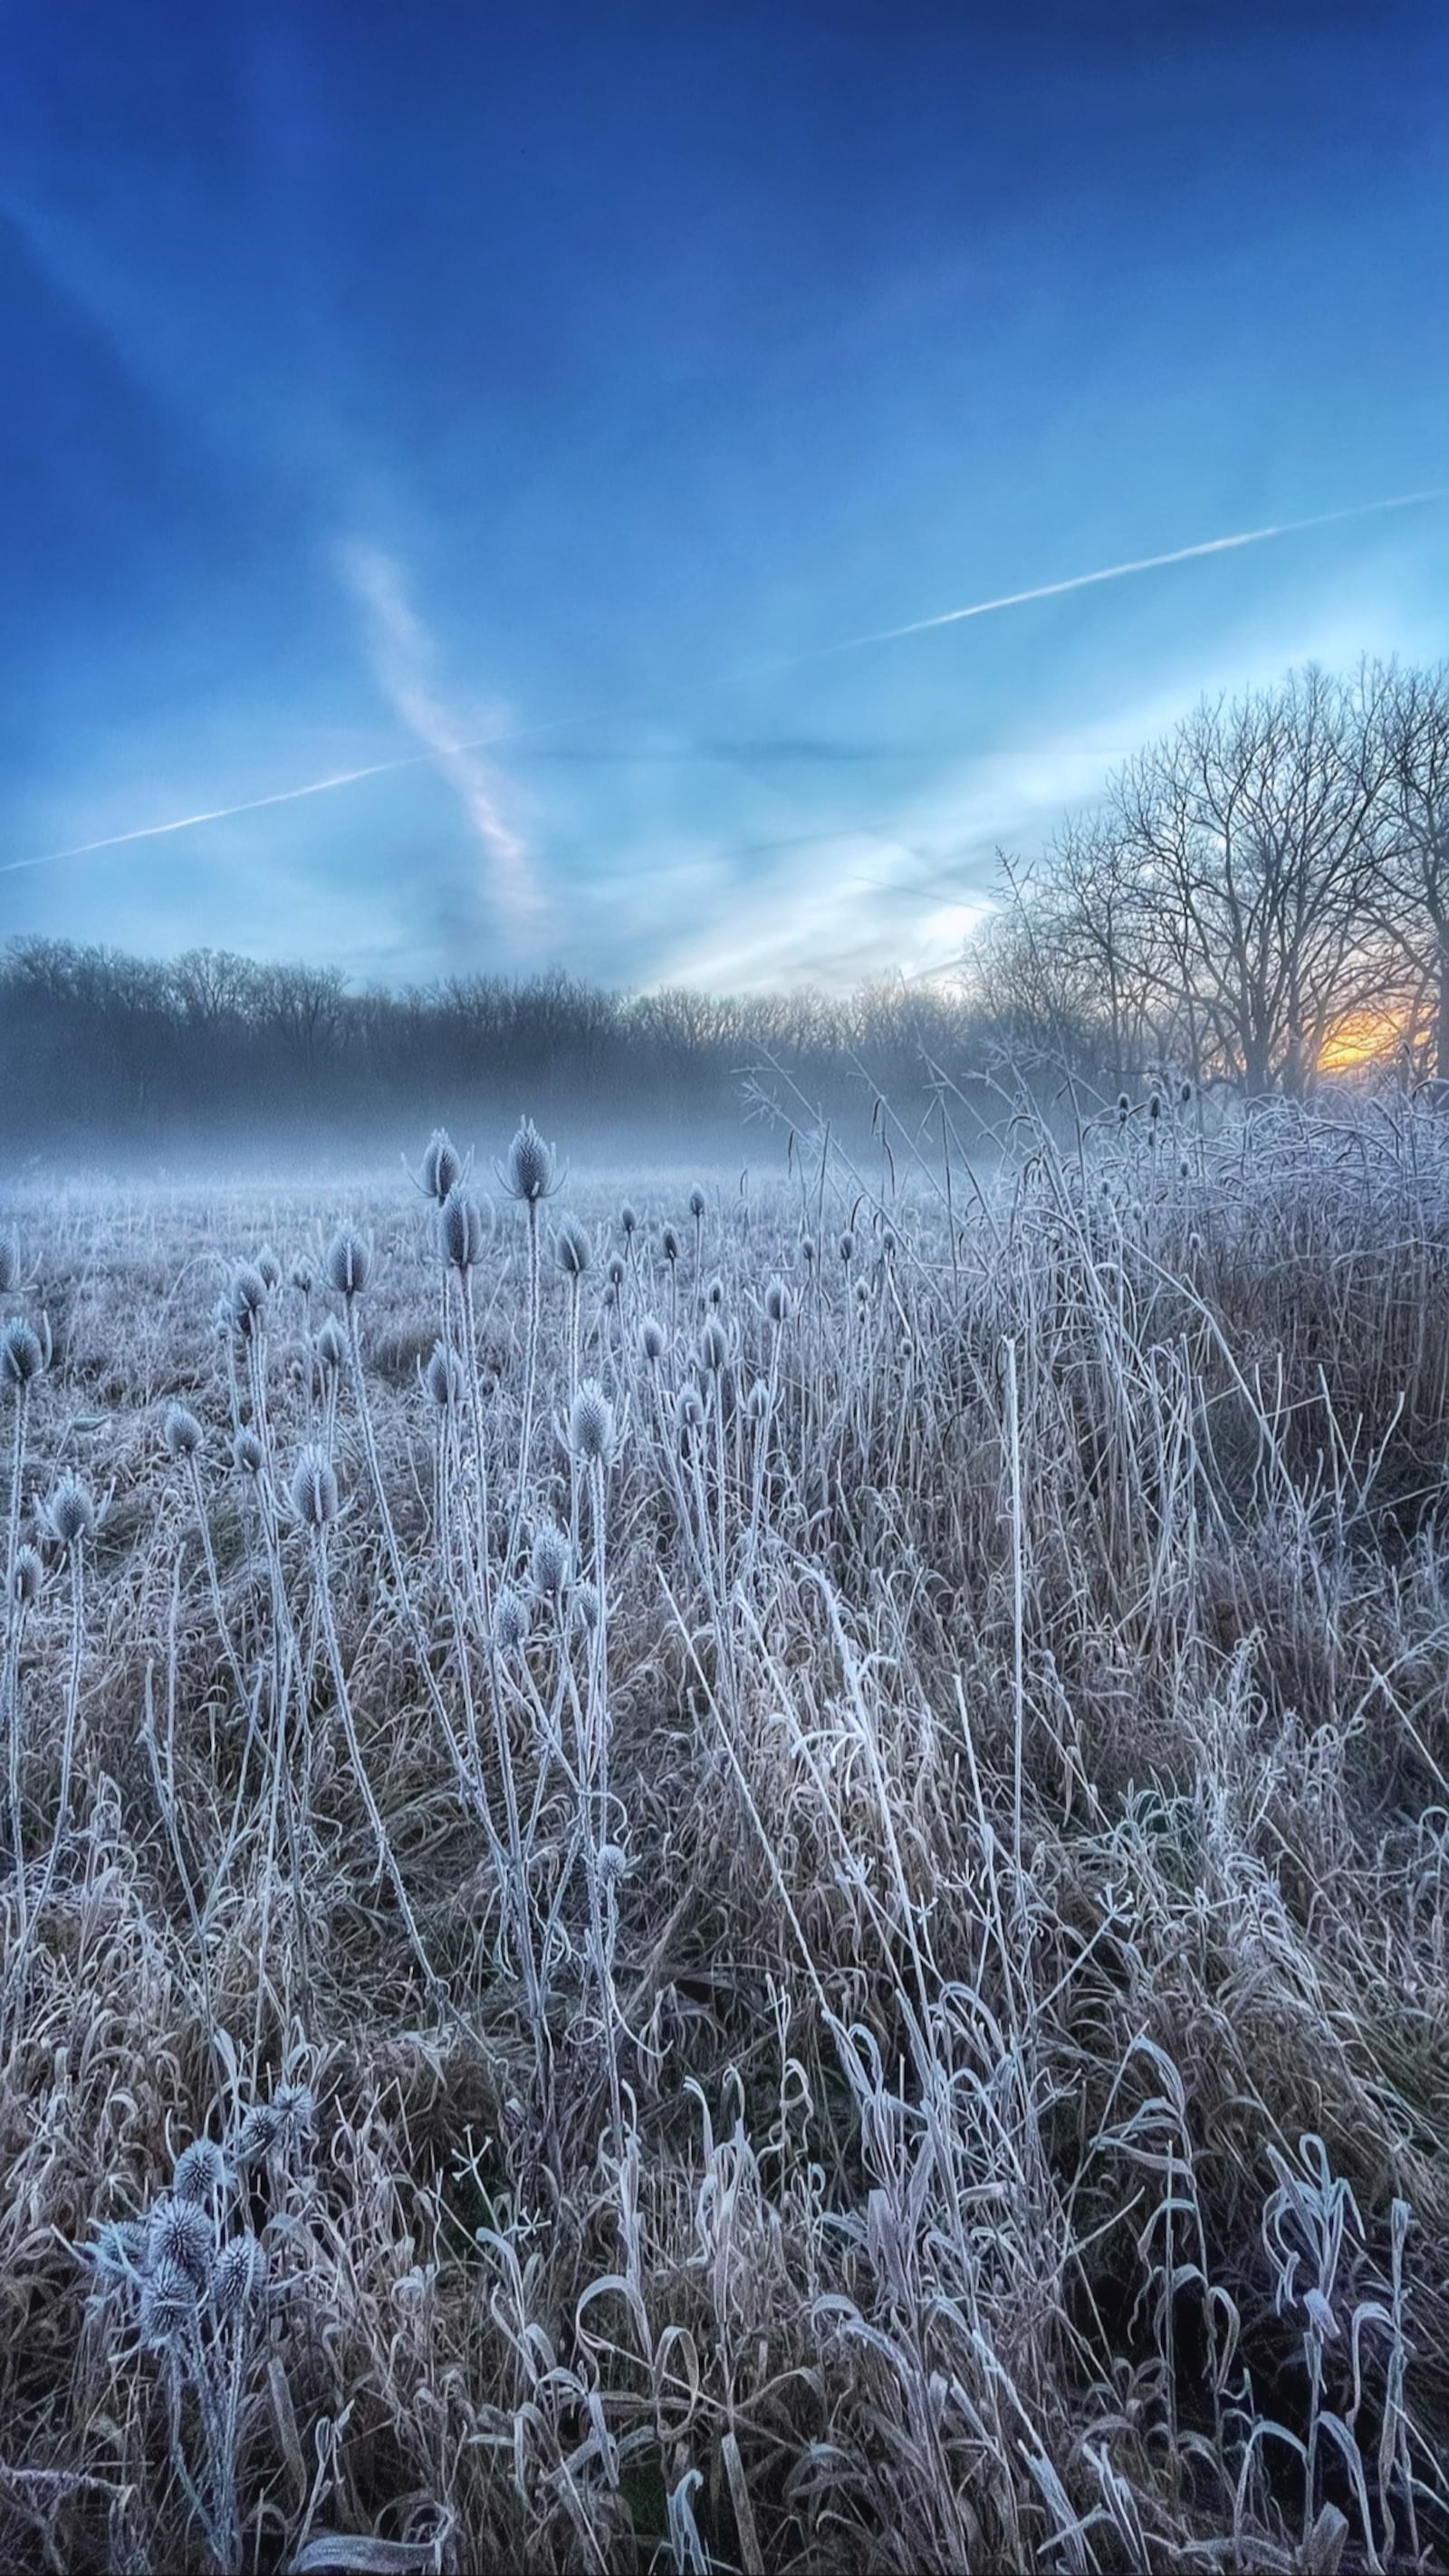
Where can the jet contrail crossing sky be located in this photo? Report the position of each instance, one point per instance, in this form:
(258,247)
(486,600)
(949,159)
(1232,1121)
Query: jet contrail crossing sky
(791,662)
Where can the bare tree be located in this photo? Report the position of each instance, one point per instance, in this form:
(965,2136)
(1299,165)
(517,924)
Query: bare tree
(1414,857)
(1255,833)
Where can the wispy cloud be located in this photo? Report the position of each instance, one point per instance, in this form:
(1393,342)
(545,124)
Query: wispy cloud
(404,658)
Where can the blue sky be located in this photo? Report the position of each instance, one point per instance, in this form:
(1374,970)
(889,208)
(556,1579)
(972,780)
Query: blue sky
(380,378)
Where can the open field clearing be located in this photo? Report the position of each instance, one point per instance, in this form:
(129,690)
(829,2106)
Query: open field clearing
(756,1885)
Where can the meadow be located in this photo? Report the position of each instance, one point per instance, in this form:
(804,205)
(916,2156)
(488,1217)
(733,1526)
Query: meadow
(709,1878)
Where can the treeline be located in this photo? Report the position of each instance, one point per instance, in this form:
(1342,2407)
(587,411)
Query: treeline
(105,1049)
(1258,899)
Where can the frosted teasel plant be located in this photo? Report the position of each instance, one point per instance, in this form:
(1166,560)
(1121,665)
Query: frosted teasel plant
(183,2292)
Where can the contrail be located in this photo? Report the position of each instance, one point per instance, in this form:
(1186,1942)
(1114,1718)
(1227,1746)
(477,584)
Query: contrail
(761,670)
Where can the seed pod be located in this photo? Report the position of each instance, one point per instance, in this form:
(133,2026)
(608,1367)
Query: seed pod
(591,1424)
(669,1244)
(442,1165)
(713,1347)
(314,1489)
(246,1450)
(70,1515)
(628,1222)
(181,1432)
(200,2174)
(688,1411)
(530,1165)
(614,1864)
(716,1293)
(757,1402)
(269,1268)
(349,1261)
(180,2232)
(461,1231)
(331,1346)
(777,1302)
(652,1339)
(510,1621)
(23,1356)
(9,1264)
(295,2107)
(168,2303)
(615,1273)
(443,1377)
(240,2278)
(847,1250)
(29,1575)
(550,1562)
(303,1276)
(585,1606)
(572,1249)
(259,2135)
(247,1296)
(696,1202)
(807,1251)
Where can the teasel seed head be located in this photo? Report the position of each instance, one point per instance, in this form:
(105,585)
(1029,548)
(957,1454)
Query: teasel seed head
(248,1297)
(247,1453)
(29,1575)
(181,1432)
(181,2233)
(461,1230)
(614,1864)
(349,1261)
(24,1353)
(269,1268)
(591,1424)
(777,1302)
(757,1402)
(550,1562)
(615,1272)
(669,1245)
(628,1221)
(200,2174)
(510,1620)
(807,1251)
(331,1347)
(716,1293)
(442,1165)
(69,1518)
(572,1249)
(696,1202)
(530,1165)
(303,1276)
(168,2303)
(9,1264)
(585,1606)
(847,1250)
(314,1489)
(688,1411)
(295,2107)
(652,1339)
(259,2135)
(443,1378)
(240,2278)
(714,1347)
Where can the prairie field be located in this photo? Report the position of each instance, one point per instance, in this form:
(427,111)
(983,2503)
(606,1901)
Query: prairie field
(733,1878)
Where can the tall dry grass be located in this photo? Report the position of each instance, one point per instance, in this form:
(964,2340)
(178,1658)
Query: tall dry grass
(764,1887)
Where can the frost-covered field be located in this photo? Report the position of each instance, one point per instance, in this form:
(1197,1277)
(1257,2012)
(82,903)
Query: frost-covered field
(779,1908)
